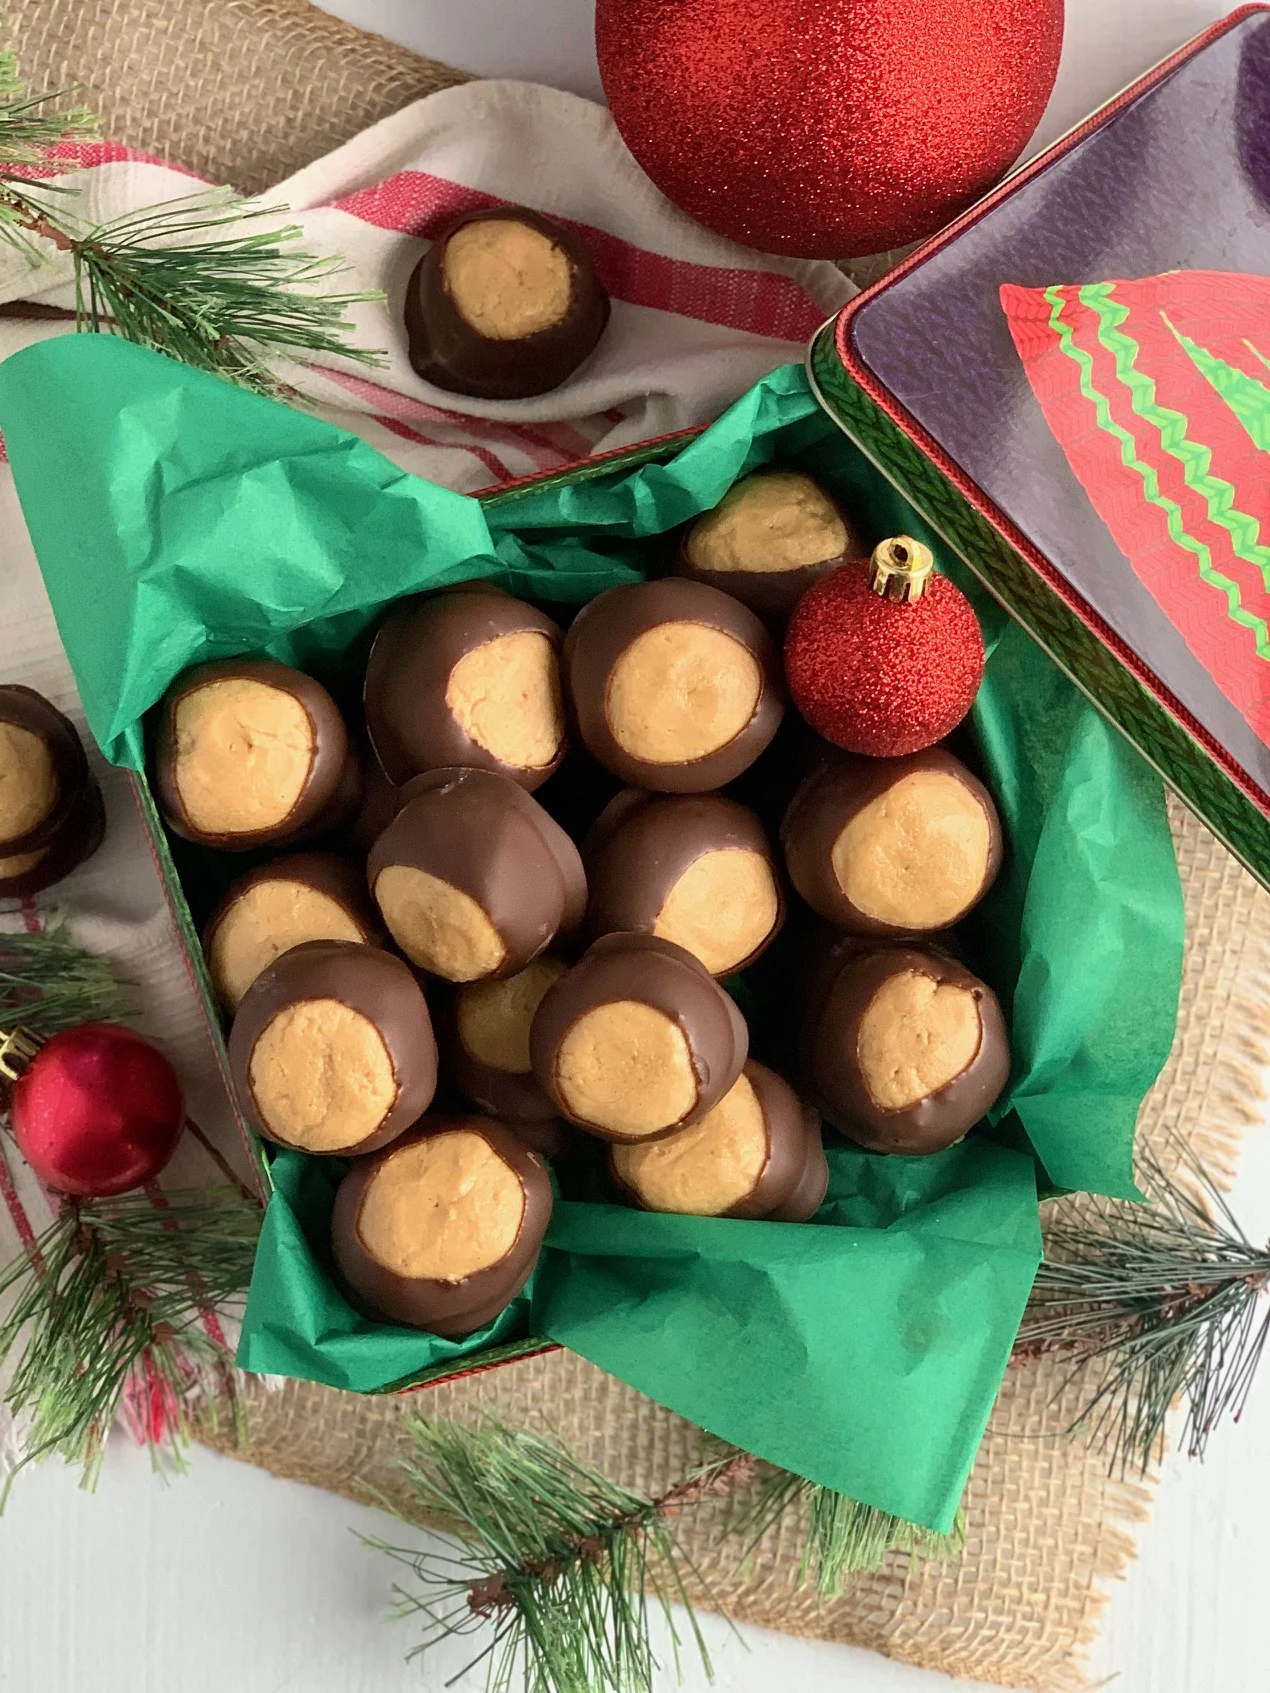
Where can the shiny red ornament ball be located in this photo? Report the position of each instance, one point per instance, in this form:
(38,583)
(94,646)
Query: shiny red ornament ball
(97,1111)
(827,128)
(878,677)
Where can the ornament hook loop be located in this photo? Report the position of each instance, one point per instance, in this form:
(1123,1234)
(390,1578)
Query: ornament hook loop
(900,568)
(17,1048)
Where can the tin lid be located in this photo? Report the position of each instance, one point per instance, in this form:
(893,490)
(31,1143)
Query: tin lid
(1173,176)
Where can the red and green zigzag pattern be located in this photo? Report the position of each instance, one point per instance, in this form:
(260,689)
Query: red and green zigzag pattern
(1159,392)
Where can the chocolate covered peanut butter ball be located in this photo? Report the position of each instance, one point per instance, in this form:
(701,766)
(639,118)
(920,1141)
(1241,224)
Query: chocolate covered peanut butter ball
(743,1159)
(504,304)
(332,1049)
(51,813)
(305,896)
(638,1040)
(905,1050)
(813,1184)
(252,754)
(892,846)
(472,877)
(468,678)
(769,538)
(487,1042)
(675,686)
(442,1231)
(696,869)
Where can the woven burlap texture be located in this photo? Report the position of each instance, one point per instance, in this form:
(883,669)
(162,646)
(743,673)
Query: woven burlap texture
(247,91)
(238,91)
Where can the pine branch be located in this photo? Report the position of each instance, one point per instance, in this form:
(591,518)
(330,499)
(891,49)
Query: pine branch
(844,1538)
(112,1296)
(31,123)
(48,983)
(563,1564)
(1149,1303)
(172,277)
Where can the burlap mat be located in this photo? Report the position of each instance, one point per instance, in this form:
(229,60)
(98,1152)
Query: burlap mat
(247,91)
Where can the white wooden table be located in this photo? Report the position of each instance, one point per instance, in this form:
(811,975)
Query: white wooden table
(231,1579)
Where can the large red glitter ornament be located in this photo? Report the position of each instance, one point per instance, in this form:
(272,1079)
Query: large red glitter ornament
(827,128)
(96,1110)
(883,656)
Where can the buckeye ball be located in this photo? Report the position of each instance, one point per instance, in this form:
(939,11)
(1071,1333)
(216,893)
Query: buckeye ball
(251,754)
(637,1041)
(487,1042)
(675,686)
(504,304)
(442,1230)
(813,1184)
(905,1050)
(743,1159)
(470,678)
(305,896)
(696,869)
(893,846)
(51,813)
(332,1049)
(472,877)
(769,538)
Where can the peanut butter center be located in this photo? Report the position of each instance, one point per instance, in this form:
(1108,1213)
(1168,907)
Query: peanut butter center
(28,782)
(722,908)
(266,920)
(707,1169)
(243,755)
(776,520)
(321,1076)
(437,925)
(442,1208)
(506,279)
(626,1067)
(505,695)
(917,855)
(18,863)
(916,1036)
(681,691)
(494,1017)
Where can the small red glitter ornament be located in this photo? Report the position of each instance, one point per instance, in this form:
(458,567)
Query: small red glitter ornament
(883,656)
(827,128)
(96,1110)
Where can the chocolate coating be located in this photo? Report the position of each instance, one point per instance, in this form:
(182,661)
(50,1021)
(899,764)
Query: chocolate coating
(376,808)
(513,1096)
(787,1149)
(599,638)
(373,983)
(78,838)
(833,1061)
(331,786)
(666,978)
(810,1189)
(449,1308)
(446,349)
(410,722)
(837,793)
(770,593)
(25,709)
(337,879)
(482,834)
(642,844)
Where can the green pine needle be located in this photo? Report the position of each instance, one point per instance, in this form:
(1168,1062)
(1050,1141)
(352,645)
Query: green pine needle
(30,123)
(1151,1303)
(563,1564)
(843,1537)
(114,1290)
(165,278)
(47,983)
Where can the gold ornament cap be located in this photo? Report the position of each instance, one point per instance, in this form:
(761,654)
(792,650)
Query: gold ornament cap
(17,1048)
(900,568)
